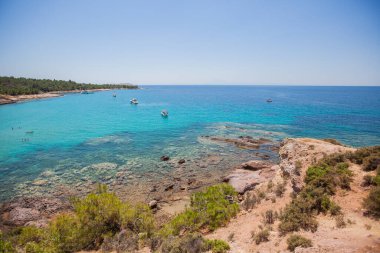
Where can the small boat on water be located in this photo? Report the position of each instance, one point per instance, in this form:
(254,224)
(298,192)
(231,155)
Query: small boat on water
(85,92)
(134,101)
(269,100)
(164,113)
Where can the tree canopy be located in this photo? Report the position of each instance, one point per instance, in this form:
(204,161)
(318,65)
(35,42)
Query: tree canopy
(26,86)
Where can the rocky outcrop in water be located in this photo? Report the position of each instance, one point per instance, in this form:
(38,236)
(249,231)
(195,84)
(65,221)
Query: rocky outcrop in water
(246,142)
(165,158)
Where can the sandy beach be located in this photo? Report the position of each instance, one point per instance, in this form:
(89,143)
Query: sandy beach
(7,99)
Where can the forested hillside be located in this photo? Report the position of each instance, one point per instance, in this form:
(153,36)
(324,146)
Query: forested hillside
(24,86)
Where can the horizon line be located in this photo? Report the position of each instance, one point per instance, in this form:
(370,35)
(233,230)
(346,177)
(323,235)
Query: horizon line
(202,84)
(255,84)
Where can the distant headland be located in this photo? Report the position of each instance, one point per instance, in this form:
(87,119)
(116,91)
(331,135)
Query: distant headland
(16,89)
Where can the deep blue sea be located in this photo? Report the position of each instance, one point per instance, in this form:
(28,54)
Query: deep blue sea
(77,130)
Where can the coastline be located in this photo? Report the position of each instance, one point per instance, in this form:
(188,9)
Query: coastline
(8,99)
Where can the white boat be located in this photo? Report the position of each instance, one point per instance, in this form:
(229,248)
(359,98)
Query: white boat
(164,113)
(134,101)
(269,100)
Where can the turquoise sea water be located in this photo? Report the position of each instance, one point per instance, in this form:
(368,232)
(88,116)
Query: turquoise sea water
(77,130)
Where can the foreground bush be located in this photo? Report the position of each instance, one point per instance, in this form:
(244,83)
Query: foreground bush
(217,246)
(193,243)
(295,241)
(297,215)
(5,246)
(102,221)
(209,209)
(321,182)
(369,159)
(261,236)
(372,202)
(333,141)
(97,217)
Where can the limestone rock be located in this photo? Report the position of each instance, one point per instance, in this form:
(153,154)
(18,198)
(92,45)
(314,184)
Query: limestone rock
(19,216)
(255,165)
(153,204)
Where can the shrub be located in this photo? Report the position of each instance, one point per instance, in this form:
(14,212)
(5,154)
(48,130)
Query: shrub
(334,208)
(339,221)
(371,162)
(280,189)
(96,217)
(295,241)
(298,215)
(333,141)
(376,180)
(124,241)
(99,214)
(261,236)
(250,201)
(5,246)
(186,244)
(372,202)
(231,237)
(261,195)
(298,167)
(368,180)
(68,235)
(270,186)
(360,155)
(33,247)
(193,243)
(333,159)
(269,217)
(210,209)
(217,246)
(321,182)
(30,234)
(139,218)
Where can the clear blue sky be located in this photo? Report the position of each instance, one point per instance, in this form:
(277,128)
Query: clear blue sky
(328,42)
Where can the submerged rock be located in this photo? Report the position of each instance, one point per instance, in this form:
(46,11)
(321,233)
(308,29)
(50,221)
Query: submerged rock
(39,182)
(241,142)
(165,158)
(47,173)
(103,166)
